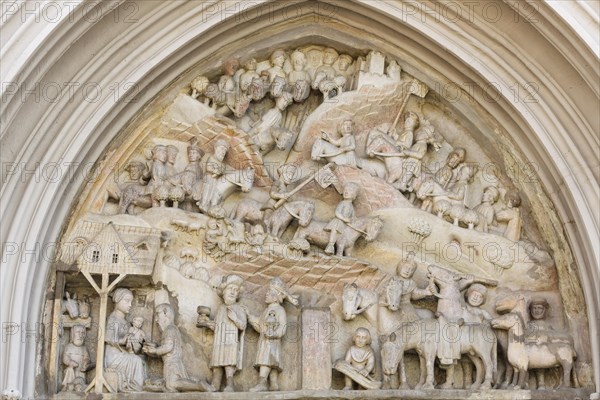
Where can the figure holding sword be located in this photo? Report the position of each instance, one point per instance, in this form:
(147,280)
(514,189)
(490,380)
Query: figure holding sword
(324,177)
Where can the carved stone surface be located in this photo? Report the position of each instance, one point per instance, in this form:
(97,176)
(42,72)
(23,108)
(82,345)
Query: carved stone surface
(335,177)
(316,370)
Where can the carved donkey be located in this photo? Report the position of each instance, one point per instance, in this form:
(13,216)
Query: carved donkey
(70,305)
(524,356)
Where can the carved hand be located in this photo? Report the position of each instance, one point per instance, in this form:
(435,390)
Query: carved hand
(431,287)
(231,314)
(363,372)
(151,351)
(210,325)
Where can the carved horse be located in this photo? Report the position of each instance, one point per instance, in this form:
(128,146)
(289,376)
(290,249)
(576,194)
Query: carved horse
(225,186)
(247,210)
(473,338)
(381,146)
(330,152)
(524,356)
(273,137)
(283,216)
(315,233)
(134,195)
(385,318)
(359,301)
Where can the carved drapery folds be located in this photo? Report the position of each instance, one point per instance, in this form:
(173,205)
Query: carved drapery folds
(330,176)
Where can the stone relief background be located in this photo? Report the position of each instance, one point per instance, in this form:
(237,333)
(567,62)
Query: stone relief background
(185,274)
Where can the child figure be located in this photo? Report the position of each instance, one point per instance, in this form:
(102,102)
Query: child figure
(475,297)
(360,356)
(136,336)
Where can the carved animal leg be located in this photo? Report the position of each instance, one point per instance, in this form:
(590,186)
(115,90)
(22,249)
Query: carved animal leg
(566,378)
(423,371)
(479,373)
(508,374)
(403,382)
(348,251)
(522,377)
(347,383)
(449,384)
(539,376)
(486,366)
(387,382)
(430,362)
(467,367)
(515,377)
(340,247)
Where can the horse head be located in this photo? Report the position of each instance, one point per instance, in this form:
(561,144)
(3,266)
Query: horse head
(393,293)
(442,275)
(284,138)
(306,214)
(390,355)
(350,301)
(374,226)
(380,144)
(247,179)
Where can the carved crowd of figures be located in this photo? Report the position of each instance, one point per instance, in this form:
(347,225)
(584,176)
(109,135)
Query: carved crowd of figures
(396,154)
(457,330)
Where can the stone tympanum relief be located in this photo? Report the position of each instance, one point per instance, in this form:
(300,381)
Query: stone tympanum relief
(319,217)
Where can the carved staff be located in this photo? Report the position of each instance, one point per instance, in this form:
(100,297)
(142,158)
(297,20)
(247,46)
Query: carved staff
(324,177)
(417,88)
(484,281)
